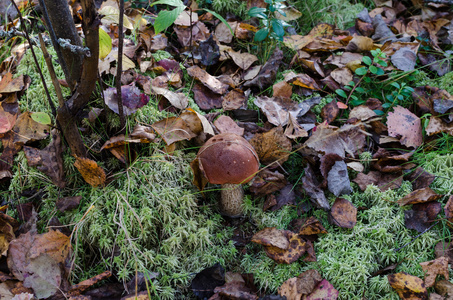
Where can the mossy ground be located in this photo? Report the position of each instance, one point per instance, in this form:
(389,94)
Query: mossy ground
(150,217)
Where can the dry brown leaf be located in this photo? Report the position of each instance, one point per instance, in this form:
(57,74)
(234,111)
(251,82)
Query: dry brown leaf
(234,99)
(7,116)
(312,226)
(272,146)
(91,172)
(226,124)
(28,130)
(343,213)
(243,60)
(419,196)
(266,182)
(433,268)
(208,80)
(282,89)
(350,138)
(408,286)
(178,100)
(294,130)
(360,44)
(330,112)
(173,129)
(406,126)
(271,236)
(297,248)
(48,160)
(437,125)
(10,85)
(342,75)
(8,226)
(223,33)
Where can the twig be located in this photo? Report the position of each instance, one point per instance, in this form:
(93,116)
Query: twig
(450,2)
(22,22)
(119,67)
(66,44)
(55,82)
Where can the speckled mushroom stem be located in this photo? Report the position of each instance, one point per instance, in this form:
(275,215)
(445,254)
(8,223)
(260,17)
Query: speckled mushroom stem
(231,200)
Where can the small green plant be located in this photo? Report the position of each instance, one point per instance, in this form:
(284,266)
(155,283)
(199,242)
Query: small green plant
(391,92)
(272,27)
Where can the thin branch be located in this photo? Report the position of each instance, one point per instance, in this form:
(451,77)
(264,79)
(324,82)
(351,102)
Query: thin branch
(27,36)
(119,67)
(66,44)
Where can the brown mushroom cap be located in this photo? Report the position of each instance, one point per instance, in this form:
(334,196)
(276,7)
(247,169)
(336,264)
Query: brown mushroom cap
(228,158)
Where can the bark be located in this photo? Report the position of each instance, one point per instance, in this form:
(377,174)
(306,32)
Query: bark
(68,112)
(63,25)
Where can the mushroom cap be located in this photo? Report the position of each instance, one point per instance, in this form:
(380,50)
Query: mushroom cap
(228,158)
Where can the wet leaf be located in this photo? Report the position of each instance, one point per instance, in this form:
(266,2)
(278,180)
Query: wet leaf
(422,215)
(312,226)
(205,98)
(311,187)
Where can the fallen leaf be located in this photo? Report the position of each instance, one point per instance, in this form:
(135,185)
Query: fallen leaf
(8,226)
(408,286)
(338,180)
(343,213)
(243,60)
(330,112)
(234,99)
(226,124)
(178,100)
(267,181)
(312,226)
(404,59)
(205,98)
(48,160)
(28,130)
(422,215)
(384,181)
(350,138)
(90,171)
(272,146)
(311,187)
(8,84)
(297,247)
(420,178)
(268,72)
(432,268)
(7,116)
(204,283)
(419,196)
(282,89)
(207,80)
(406,126)
(235,290)
(436,125)
(271,236)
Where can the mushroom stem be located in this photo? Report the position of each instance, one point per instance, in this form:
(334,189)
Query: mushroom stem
(231,199)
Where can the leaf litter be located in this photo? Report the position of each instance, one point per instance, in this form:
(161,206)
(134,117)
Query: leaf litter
(329,58)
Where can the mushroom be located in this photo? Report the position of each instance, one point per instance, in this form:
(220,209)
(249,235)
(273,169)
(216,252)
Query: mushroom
(228,159)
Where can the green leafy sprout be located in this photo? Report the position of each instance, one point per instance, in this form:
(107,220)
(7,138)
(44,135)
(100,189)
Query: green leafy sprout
(272,27)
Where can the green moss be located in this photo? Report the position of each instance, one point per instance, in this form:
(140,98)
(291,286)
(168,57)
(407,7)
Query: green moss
(338,12)
(148,218)
(443,82)
(442,167)
(35,98)
(237,7)
(347,257)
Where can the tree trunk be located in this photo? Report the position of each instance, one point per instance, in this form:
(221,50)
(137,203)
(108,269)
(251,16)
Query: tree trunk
(63,25)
